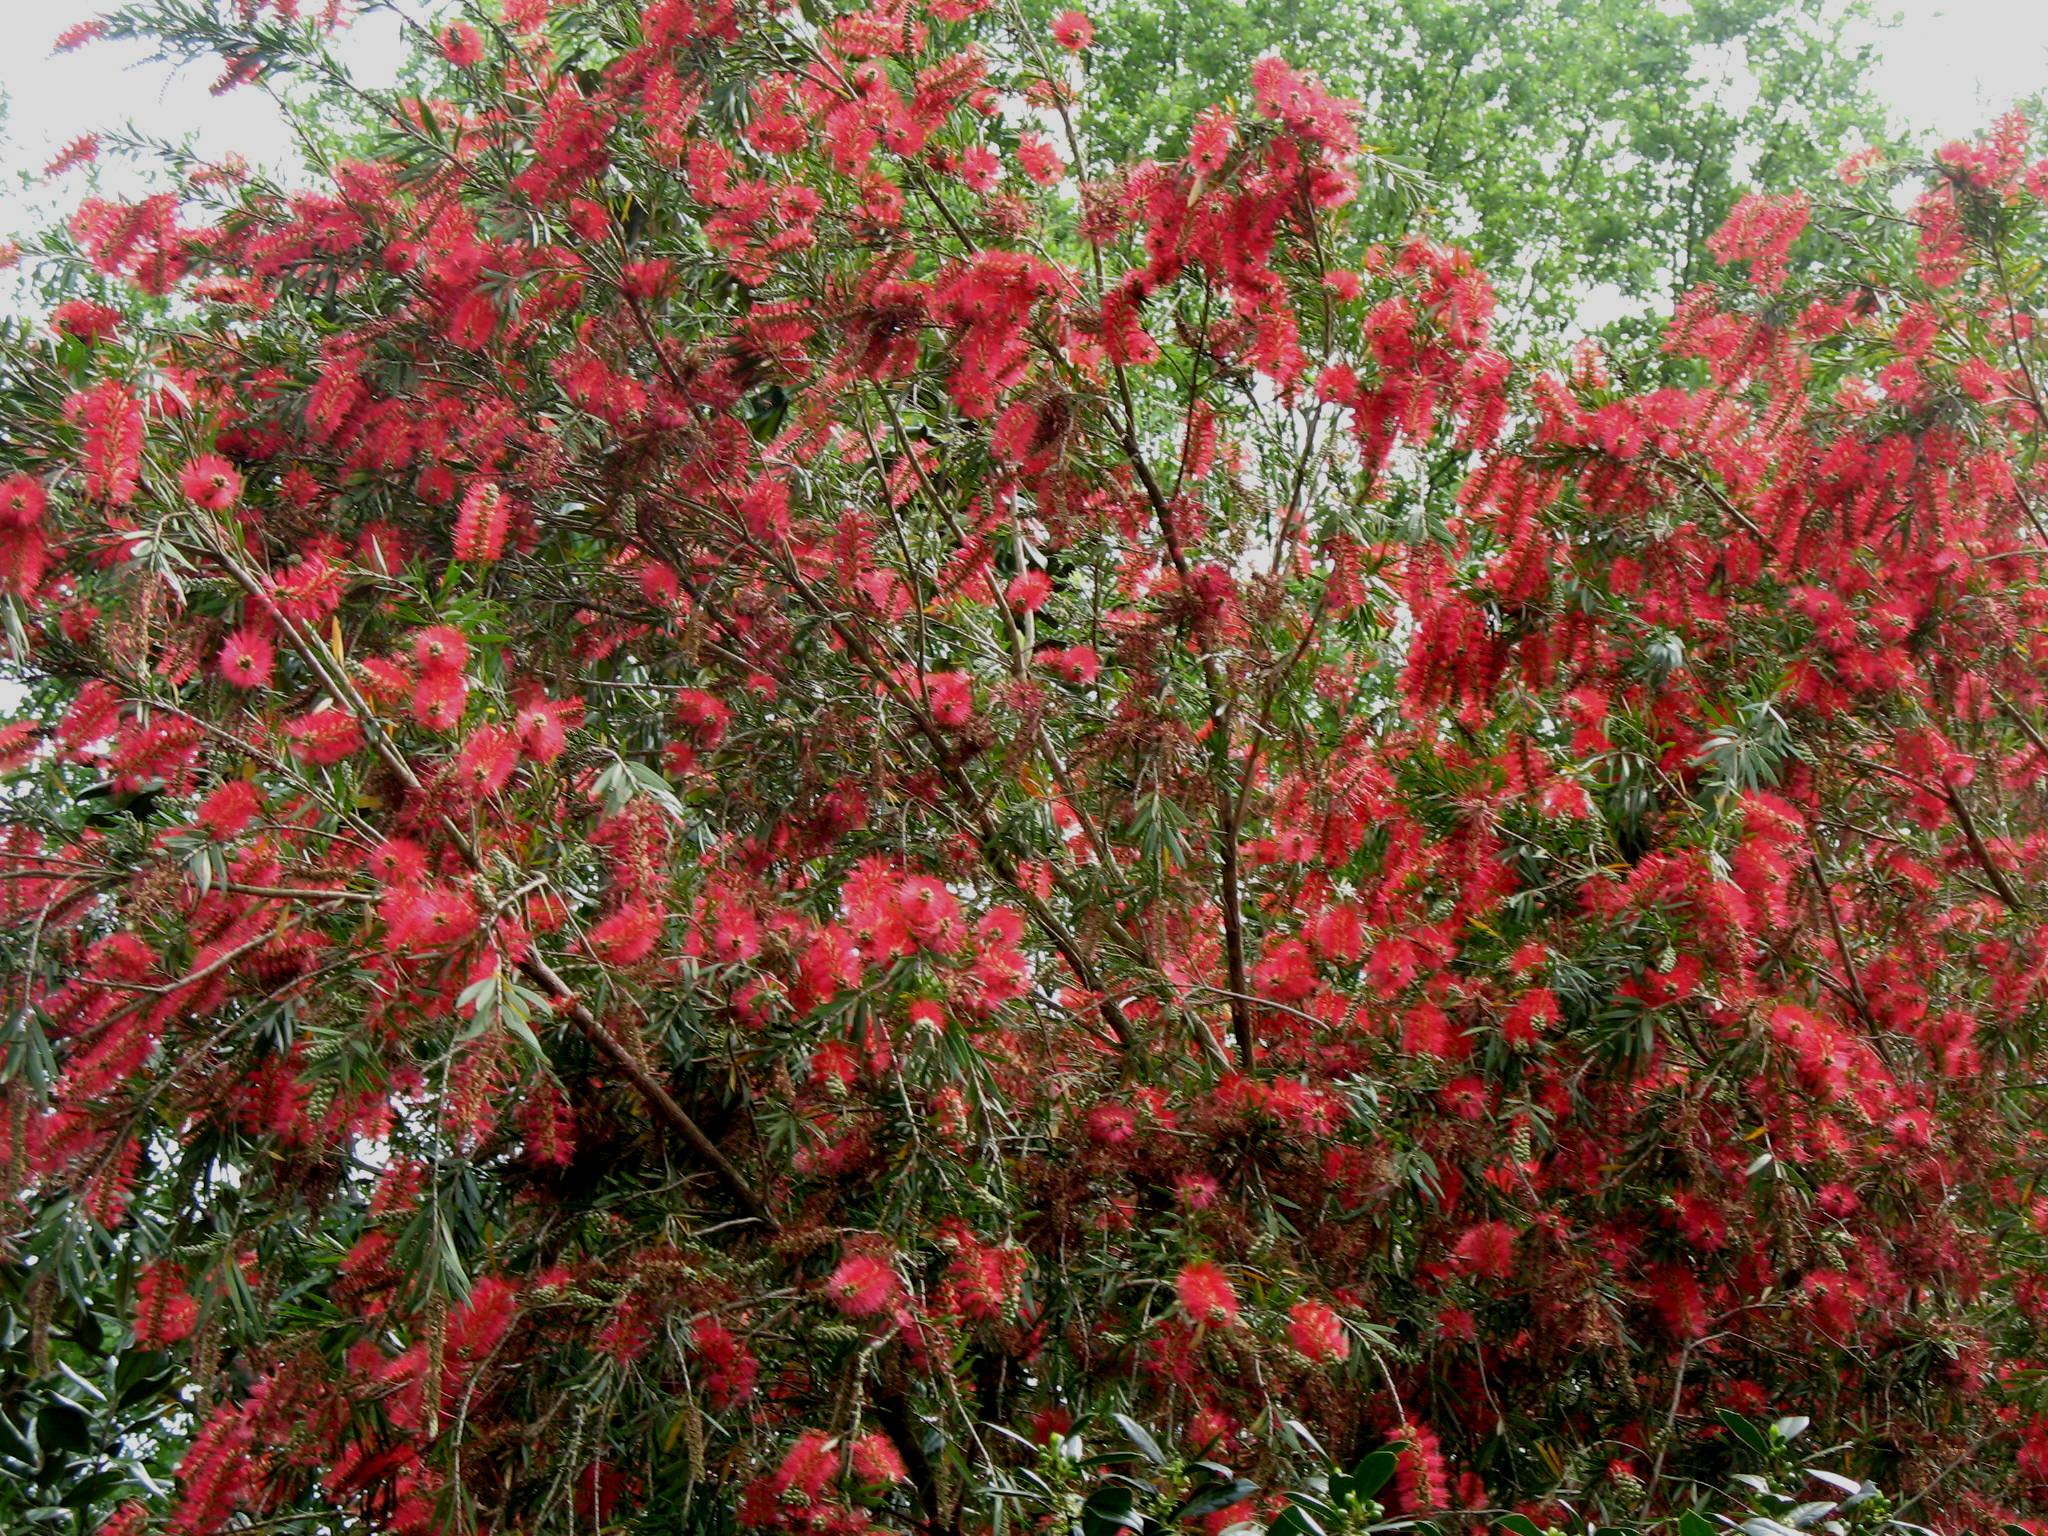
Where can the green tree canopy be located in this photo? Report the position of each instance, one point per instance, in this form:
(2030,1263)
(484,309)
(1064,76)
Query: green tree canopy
(1569,143)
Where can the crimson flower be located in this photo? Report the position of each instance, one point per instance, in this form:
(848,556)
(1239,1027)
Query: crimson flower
(1206,1295)
(1072,31)
(460,45)
(246,659)
(210,481)
(1317,1333)
(862,1285)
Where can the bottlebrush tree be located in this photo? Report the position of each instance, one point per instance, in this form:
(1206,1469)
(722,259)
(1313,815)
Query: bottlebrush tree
(740,783)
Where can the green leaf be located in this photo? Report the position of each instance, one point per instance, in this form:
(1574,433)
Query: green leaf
(478,995)
(1135,1432)
(1298,1437)
(1520,1525)
(1109,1510)
(1295,1521)
(63,1426)
(1209,1500)
(523,1032)
(1372,1474)
(1751,1437)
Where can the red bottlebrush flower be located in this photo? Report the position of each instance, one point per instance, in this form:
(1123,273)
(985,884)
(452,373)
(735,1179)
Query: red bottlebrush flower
(461,45)
(863,1285)
(1421,1480)
(629,935)
(983,1281)
(94,716)
(441,648)
(542,726)
(480,1324)
(1039,160)
(426,918)
(729,1369)
(439,698)
(215,1469)
(1761,230)
(875,1460)
(1029,591)
(704,715)
(1675,1292)
(80,151)
(247,659)
(384,683)
(1838,1200)
(736,935)
(1533,1012)
(22,502)
(227,812)
(85,320)
(210,481)
(1317,1333)
(1015,435)
(110,453)
(487,761)
(1466,1097)
(1077,663)
(836,1064)
(765,510)
(1209,141)
(950,696)
(397,861)
(931,913)
(18,742)
(1426,1031)
(1699,1222)
(1072,31)
(1112,1124)
(646,280)
(76,37)
(1487,1250)
(1206,1295)
(165,1312)
(799,1483)
(472,320)
(325,737)
(980,168)
(480,523)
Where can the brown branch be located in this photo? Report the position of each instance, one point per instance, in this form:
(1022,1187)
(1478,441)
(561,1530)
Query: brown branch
(658,1098)
(1982,854)
(1857,997)
(1221,777)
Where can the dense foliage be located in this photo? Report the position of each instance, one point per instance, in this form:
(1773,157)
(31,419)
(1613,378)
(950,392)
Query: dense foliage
(743,785)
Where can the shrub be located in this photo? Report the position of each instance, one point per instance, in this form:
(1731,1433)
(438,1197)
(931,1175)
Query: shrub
(740,781)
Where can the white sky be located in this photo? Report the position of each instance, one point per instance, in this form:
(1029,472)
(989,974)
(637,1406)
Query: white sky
(1946,69)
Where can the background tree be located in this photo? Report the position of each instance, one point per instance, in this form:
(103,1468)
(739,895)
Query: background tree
(1571,144)
(734,802)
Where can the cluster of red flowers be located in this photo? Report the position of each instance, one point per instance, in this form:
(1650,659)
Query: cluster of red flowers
(804,809)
